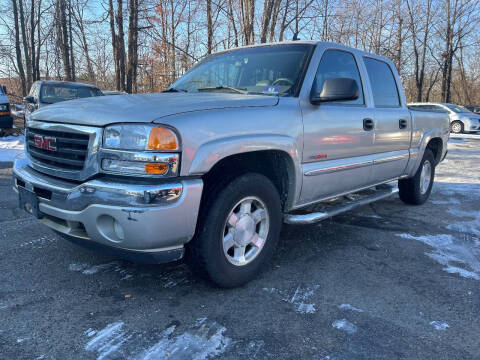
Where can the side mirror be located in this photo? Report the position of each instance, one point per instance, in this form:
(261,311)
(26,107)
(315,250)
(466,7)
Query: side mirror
(29,99)
(336,89)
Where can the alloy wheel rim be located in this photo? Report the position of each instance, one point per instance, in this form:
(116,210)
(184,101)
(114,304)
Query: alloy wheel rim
(425,177)
(245,231)
(456,128)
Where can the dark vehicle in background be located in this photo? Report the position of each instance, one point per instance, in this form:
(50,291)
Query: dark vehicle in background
(474,108)
(43,93)
(6,120)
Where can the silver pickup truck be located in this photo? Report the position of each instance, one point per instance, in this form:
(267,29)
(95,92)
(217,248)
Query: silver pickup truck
(247,139)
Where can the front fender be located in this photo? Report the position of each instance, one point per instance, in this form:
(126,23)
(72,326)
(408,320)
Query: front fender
(212,152)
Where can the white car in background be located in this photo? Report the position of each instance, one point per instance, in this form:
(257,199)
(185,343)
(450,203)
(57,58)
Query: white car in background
(461,119)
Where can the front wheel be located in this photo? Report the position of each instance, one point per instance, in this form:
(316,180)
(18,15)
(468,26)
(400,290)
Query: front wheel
(238,231)
(416,190)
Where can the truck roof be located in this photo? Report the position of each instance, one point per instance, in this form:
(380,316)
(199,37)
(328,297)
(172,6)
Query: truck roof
(306,42)
(69,83)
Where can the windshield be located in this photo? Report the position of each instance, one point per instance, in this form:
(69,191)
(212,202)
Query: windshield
(457,108)
(271,70)
(53,93)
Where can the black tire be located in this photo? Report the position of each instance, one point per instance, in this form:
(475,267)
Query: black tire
(410,189)
(205,252)
(457,127)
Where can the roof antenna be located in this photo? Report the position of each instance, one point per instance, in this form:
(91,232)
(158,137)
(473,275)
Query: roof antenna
(295,37)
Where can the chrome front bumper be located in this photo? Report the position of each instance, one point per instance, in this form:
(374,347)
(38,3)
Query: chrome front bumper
(122,215)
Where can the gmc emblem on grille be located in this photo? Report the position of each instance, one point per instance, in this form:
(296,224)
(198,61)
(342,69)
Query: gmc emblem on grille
(45,142)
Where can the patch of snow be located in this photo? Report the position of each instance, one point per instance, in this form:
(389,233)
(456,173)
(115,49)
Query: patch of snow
(439,325)
(77,267)
(20,340)
(451,251)
(345,325)
(466,136)
(38,243)
(206,341)
(253,347)
(299,298)
(87,269)
(349,307)
(90,332)
(11,147)
(108,340)
(471,226)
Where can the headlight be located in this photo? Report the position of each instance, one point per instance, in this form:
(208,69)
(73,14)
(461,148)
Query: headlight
(3,107)
(139,137)
(140,149)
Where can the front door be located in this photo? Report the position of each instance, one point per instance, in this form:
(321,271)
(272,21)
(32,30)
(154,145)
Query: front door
(338,136)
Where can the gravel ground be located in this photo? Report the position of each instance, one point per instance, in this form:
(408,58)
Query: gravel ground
(387,281)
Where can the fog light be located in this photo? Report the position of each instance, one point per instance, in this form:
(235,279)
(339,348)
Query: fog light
(118,230)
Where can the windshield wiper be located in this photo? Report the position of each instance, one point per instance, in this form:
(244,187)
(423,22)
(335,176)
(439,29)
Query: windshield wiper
(172,89)
(223,87)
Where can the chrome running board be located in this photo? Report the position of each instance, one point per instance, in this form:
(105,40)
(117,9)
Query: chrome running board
(340,205)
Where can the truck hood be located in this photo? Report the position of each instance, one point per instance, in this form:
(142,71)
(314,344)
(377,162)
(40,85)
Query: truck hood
(104,110)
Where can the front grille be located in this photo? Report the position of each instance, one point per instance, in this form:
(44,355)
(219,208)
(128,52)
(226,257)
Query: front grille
(71,149)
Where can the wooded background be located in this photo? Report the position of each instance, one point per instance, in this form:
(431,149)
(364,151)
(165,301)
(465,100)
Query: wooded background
(144,45)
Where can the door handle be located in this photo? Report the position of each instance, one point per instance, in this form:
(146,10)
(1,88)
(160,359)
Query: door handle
(402,124)
(368,124)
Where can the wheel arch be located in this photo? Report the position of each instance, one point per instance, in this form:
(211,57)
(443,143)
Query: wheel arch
(230,160)
(432,139)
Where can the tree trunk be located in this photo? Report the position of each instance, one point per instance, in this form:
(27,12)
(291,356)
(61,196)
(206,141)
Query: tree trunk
(63,38)
(132,46)
(26,53)
(267,16)
(18,51)
(32,39)
(72,58)
(209,27)
(111,15)
(121,44)
(39,42)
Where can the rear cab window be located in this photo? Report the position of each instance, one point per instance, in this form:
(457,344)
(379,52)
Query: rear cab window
(383,84)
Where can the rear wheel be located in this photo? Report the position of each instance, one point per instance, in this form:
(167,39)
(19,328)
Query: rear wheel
(416,190)
(238,231)
(456,127)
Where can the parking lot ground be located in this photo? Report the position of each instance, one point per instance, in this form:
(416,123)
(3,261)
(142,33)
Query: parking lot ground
(386,281)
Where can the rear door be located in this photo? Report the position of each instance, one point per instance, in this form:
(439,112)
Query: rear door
(337,148)
(393,123)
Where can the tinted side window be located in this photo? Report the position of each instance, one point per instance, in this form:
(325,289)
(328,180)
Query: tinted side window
(339,64)
(384,88)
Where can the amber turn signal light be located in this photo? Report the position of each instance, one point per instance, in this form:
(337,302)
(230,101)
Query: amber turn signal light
(162,139)
(156,168)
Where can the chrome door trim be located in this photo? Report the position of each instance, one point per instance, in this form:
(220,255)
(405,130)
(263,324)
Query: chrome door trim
(329,166)
(338,168)
(393,156)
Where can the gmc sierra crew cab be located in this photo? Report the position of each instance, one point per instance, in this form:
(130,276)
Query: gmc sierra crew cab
(248,139)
